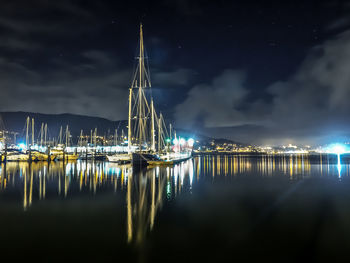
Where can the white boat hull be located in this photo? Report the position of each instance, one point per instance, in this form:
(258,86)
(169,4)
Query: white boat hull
(17,157)
(119,158)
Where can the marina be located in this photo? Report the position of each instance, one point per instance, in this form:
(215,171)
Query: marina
(149,140)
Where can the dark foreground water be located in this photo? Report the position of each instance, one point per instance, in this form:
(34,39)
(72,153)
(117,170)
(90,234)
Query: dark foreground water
(209,209)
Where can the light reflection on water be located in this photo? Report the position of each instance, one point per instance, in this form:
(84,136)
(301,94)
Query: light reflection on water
(147,192)
(94,176)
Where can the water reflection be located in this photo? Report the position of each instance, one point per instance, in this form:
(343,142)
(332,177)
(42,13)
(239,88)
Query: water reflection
(147,191)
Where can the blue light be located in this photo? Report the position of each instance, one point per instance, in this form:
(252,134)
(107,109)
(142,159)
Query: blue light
(339,166)
(337,148)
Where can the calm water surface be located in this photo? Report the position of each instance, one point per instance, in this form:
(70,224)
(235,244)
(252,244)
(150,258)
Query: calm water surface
(212,208)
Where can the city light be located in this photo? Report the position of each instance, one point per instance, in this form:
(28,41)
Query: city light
(190,142)
(22,146)
(337,149)
(182,141)
(175,141)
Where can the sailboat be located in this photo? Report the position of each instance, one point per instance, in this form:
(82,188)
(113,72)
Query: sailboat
(141,113)
(142,121)
(59,152)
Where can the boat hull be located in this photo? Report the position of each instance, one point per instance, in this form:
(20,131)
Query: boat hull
(142,159)
(168,162)
(119,158)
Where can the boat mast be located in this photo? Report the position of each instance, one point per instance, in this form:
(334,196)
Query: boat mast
(45,135)
(67,134)
(129,120)
(27,132)
(152,129)
(140,89)
(60,137)
(81,138)
(160,132)
(95,139)
(42,134)
(33,132)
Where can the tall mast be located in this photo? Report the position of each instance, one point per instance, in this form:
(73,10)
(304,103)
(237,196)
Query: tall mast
(152,129)
(140,88)
(45,134)
(67,134)
(27,132)
(116,137)
(42,134)
(81,138)
(33,132)
(129,120)
(60,137)
(160,132)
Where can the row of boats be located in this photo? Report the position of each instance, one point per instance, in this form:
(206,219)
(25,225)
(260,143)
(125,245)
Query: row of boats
(59,154)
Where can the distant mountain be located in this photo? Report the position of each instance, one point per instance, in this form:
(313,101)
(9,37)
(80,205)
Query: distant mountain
(16,122)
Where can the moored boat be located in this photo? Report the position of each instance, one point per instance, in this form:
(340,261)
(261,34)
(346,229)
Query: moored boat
(16,156)
(170,159)
(120,158)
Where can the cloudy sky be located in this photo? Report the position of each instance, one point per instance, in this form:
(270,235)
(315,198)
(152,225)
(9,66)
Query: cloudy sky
(267,72)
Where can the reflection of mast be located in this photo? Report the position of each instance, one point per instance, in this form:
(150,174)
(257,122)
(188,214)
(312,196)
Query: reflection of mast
(31,185)
(25,190)
(138,224)
(129,207)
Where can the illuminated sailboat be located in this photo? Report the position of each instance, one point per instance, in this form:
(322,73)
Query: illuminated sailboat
(142,122)
(141,112)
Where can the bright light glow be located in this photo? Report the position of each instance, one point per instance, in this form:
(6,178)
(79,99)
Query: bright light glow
(190,142)
(175,141)
(22,146)
(182,141)
(337,149)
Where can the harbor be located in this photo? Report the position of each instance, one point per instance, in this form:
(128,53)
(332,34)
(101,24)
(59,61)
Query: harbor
(149,140)
(174,131)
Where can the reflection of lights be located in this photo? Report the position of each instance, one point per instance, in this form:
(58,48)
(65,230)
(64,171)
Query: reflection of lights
(175,141)
(339,166)
(168,190)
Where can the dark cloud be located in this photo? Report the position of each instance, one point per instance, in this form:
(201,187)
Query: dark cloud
(313,104)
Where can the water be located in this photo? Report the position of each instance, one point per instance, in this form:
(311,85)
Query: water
(211,208)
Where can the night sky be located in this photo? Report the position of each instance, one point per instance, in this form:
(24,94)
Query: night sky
(266,72)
